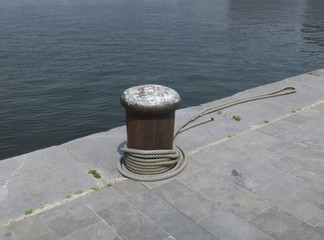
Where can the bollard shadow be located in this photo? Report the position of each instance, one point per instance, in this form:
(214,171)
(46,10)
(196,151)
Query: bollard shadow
(122,144)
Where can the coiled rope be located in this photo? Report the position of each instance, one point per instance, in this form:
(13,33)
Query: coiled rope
(156,165)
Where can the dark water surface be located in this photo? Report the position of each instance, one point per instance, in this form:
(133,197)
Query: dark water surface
(65,63)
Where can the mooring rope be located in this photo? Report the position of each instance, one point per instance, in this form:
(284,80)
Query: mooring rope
(151,165)
(156,165)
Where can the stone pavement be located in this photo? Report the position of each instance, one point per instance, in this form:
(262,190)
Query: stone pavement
(258,178)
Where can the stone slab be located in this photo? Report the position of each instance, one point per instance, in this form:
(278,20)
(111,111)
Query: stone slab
(296,207)
(313,195)
(129,223)
(259,174)
(281,225)
(22,229)
(186,200)
(129,188)
(98,231)
(228,227)
(69,218)
(100,151)
(6,234)
(319,72)
(102,199)
(40,178)
(229,196)
(169,218)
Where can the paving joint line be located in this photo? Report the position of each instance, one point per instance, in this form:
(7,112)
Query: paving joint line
(80,161)
(252,128)
(101,220)
(125,199)
(45,208)
(49,206)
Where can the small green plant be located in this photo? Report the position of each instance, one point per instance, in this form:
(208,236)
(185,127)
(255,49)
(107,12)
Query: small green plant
(109,185)
(219,112)
(237,118)
(293,111)
(68,196)
(95,173)
(266,121)
(229,136)
(95,189)
(28,212)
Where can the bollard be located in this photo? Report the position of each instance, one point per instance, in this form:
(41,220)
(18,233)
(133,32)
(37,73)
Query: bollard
(150,112)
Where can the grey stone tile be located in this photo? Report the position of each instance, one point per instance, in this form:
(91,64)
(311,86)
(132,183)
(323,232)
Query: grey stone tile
(98,231)
(311,174)
(281,225)
(151,185)
(217,159)
(129,188)
(6,234)
(250,140)
(169,218)
(320,228)
(230,196)
(319,72)
(228,227)
(286,125)
(184,114)
(102,199)
(269,158)
(22,229)
(43,177)
(100,151)
(139,199)
(320,107)
(303,156)
(297,118)
(192,170)
(311,114)
(295,133)
(280,147)
(46,236)
(69,218)
(313,195)
(185,139)
(294,206)
(186,200)
(129,223)
(263,174)
(9,168)
(271,129)
(315,143)
(216,155)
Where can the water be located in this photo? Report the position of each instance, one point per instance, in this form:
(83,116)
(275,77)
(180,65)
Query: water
(65,63)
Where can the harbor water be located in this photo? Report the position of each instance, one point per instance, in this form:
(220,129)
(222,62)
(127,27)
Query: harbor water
(65,63)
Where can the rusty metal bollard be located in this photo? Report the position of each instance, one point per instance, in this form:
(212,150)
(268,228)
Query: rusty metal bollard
(150,113)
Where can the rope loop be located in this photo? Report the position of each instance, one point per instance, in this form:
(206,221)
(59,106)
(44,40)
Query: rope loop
(151,165)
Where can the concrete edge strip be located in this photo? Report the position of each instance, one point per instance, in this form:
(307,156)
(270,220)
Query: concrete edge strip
(255,127)
(56,204)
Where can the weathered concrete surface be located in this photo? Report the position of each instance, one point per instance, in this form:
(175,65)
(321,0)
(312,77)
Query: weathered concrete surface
(246,179)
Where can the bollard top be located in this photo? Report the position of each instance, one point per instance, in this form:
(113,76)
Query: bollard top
(150,99)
